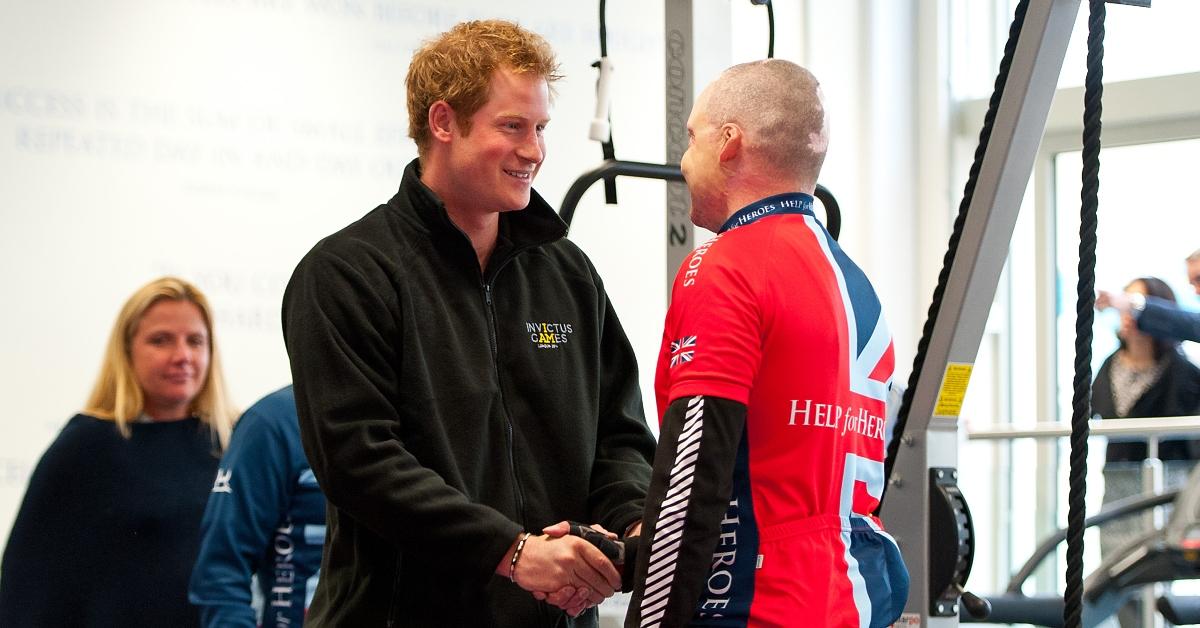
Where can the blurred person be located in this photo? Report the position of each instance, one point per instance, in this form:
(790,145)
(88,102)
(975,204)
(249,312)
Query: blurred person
(265,518)
(110,524)
(772,387)
(1145,377)
(1159,317)
(461,377)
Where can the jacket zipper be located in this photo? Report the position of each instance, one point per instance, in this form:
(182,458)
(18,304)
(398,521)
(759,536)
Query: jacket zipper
(508,423)
(393,603)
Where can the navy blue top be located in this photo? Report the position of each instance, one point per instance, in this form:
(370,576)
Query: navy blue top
(265,516)
(109,527)
(1164,319)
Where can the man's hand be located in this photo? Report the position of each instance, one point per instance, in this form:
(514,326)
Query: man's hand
(1118,300)
(563,528)
(571,599)
(566,571)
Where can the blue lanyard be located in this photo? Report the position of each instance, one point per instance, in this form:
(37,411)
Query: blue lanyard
(790,203)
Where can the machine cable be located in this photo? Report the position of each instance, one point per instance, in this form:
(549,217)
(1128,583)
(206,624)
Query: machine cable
(611,167)
(1081,402)
(770,26)
(601,129)
(1014,34)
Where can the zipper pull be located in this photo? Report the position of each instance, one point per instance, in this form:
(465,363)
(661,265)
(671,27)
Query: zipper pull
(487,293)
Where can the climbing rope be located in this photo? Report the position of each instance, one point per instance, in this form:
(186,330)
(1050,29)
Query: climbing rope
(1081,401)
(985,134)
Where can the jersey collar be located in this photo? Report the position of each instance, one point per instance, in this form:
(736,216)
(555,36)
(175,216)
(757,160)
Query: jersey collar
(789,203)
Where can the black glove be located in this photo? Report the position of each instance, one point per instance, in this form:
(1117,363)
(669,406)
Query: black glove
(613,550)
(623,553)
(631,545)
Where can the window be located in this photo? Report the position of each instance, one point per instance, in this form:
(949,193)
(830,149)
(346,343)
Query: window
(1147,225)
(1138,42)
(1024,369)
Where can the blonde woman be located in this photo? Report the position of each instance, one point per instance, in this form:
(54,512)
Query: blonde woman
(109,526)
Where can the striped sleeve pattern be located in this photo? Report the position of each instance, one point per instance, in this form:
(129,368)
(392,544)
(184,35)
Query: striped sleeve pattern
(664,547)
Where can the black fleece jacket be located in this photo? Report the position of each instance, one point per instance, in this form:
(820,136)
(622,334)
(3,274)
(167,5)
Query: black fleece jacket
(444,410)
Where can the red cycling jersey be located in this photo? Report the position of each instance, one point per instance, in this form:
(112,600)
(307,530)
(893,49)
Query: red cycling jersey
(771,314)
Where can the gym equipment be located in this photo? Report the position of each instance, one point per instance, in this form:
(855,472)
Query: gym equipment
(1166,554)
(610,169)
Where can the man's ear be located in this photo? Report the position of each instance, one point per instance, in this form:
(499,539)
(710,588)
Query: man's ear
(731,142)
(442,124)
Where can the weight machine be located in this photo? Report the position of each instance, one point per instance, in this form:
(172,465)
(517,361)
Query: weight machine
(923,508)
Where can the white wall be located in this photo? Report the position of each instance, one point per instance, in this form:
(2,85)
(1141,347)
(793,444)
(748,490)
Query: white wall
(219,139)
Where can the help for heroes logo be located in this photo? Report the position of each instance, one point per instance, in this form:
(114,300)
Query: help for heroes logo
(548,335)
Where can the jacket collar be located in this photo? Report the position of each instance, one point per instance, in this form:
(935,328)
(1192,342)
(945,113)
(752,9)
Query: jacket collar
(536,224)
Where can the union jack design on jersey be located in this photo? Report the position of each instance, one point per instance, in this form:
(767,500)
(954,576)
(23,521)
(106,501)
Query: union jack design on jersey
(683,350)
(761,517)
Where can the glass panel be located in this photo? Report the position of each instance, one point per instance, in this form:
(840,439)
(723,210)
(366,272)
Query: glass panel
(1138,42)
(1147,226)
(1144,229)
(1004,390)
(978,31)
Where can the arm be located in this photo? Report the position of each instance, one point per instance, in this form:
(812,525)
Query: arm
(1164,319)
(624,444)
(689,496)
(341,330)
(248,502)
(340,326)
(707,364)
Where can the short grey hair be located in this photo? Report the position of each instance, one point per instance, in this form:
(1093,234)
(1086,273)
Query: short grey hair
(1194,256)
(778,106)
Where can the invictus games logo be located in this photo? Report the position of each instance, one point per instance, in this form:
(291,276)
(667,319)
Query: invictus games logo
(549,335)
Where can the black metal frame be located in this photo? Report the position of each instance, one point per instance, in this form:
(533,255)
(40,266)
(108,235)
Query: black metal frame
(1014,606)
(609,169)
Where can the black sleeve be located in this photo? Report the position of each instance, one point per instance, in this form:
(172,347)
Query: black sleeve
(340,327)
(624,444)
(689,495)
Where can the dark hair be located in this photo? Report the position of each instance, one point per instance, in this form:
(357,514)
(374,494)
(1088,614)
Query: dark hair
(1156,287)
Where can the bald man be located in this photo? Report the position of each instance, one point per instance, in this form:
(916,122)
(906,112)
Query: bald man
(772,379)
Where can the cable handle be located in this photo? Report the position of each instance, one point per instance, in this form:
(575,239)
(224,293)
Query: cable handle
(600,128)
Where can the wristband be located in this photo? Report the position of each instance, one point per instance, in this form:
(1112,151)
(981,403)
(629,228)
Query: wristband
(512,565)
(1137,303)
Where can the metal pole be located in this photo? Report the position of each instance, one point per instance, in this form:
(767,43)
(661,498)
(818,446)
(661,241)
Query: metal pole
(931,436)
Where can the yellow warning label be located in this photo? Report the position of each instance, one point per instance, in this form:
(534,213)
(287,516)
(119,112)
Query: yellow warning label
(954,389)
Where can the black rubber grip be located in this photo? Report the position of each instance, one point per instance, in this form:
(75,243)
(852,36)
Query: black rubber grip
(613,550)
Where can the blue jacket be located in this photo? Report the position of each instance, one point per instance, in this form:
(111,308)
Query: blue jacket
(265,516)
(1161,318)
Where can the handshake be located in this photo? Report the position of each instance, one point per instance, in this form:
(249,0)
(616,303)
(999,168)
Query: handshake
(572,566)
